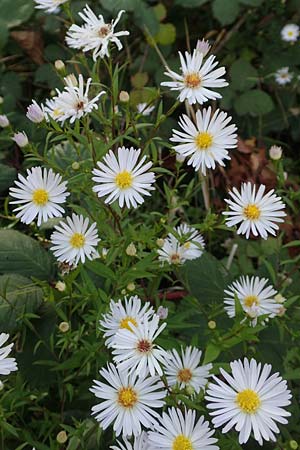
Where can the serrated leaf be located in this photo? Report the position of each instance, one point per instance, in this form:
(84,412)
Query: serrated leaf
(18,296)
(23,255)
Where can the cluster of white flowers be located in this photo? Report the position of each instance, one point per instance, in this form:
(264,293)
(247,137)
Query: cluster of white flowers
(133,393)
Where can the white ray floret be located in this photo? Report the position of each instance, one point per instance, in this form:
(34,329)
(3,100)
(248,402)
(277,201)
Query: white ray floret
(185,370)
(178,431)
(95,34)
(184,243)
(124,314)
(256,298)
(128,401)
(74,240)
(197,78)
(290,32)
(123,178)
(50,6)
(255,212)
(144,109)
(41,195)
(135,350)
(249,400)
(73,102)
(140,442)
(7,365)
(283,76)
(206,142)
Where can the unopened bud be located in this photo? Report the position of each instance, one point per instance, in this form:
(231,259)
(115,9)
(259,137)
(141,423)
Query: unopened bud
(294,445)
(62,437)
(124,97)
(275,152)
(162,312)
(71,80)
(4,122)
(75,165)
(281,311)
(212,324)
(131,249)
(60,286)
(35,113)
(20,139)
(64,327)
(1,100)
(123,291)
(190,390)
(59,65)
(130,287)
(104,253)
(279,298)
(179,158)
(203,47)
(160,242)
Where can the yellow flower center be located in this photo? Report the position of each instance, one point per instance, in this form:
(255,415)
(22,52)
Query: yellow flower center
(124,180)
(182,443)
(57,112)
(248,401)
(184,375)
(251,300)
(175,258)
(77,240)
(127,397)
(203,140)
(187,245)
(290,33)
(40,197)
(192,80)
(126,321)
(252,212)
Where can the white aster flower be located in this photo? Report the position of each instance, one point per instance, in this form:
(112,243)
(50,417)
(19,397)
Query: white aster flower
(135,350)
(74,240)
(207,141)
(283,76)
(7,365)
(20,139)
(50,6)
(257,212)
(255,297)
(185,370)
(35,113)
(123,315)
(73,102)
(95,34)
(196,79)
(290,32)
(128,401)
(178,431)
(123,178)
(184,243)
(139,443)
(249,400)
(144,109)
(41,193)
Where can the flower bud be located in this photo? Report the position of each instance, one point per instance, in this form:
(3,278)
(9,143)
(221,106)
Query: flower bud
(71,80)
(4,122)
(281,311)
(1,385)
(275,152)
(75,165)
(62,437)
(162,312)
(20,139)
(123,291)
(35,113)
(203,47)
(130,287)
(294,445)
(124,97)
(212,325)
(179,158)
(190,390)
(131,249)
(1,100)
(104,253)
(60,286)
(59,65)
(279,298)
(64,327)
(160,242)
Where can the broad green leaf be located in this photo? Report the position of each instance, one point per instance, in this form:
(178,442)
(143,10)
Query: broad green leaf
(166,34)
(18,296)
(211,353)
(13,14)
(254,102)
(243,75)
(225,11)
(190,3)
(23,255)
(7,176)
(117,5)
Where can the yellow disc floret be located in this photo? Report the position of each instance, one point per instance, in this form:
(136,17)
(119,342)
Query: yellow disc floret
(248,400)
(125,323)
(124,180)
(77,240)
(127,397)
(252,212)
(182,442)
(251,300)
(192,80)
(40,197)
(184,375)
(203,140)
